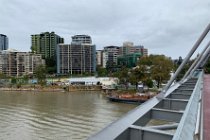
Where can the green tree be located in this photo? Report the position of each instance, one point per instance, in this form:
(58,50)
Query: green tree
(184,69)
(14,80)
(2,76)
(137,74)
(161,68)
(157,67)
(111,67)
(143,70)
(25,79)
(40,74)
(101,71)
(50,65)
(123,75)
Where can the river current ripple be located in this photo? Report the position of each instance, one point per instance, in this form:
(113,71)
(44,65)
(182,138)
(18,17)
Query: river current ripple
(49,116)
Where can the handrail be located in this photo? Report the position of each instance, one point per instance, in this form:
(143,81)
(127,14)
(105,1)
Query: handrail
(187,125)
(181,111)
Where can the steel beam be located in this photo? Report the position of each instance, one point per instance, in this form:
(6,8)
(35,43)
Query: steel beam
(185,89)
(167,115)
(198,42)
(179,96)
(132,117)
(205,61)
(203,58)
(133,126)
(172,104)
(159,114)
(196,61)
(187,125)
(165,126)
(142,133)
(179,91)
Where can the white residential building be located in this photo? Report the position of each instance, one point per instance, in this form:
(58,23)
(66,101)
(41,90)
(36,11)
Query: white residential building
(15,63)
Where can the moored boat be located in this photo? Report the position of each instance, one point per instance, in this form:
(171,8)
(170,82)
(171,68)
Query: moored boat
(127,98)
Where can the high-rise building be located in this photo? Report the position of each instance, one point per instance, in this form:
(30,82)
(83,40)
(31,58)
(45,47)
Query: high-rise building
(15,63)
(3,42)
(129,48)
(76,58)
(85,39)
(99,57)
(140,49)
(45,44)
(104,58)
(110,55)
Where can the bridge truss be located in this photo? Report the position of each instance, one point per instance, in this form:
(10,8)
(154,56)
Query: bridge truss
(174,114)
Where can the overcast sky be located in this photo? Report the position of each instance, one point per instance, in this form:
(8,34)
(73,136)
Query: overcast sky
(168,27)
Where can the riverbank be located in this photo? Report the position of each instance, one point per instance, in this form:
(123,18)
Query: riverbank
(52,88)
(84,88)
(71,88)
(34,89)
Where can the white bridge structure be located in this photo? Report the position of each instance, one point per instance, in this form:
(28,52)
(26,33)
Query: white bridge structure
(176,113)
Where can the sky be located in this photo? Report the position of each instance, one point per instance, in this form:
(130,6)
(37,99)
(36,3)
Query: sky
(169,27)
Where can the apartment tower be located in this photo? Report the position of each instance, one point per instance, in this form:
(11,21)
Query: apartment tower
(78,57)
(46,44)
(3,42)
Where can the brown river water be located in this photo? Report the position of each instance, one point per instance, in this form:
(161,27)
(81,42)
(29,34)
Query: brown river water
(56,116)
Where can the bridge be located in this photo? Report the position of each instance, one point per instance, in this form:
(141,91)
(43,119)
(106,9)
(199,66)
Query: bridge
(179,112)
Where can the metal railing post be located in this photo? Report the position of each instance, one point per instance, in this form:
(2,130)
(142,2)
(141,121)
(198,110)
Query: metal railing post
(203,59)
(198,42)
(195,62)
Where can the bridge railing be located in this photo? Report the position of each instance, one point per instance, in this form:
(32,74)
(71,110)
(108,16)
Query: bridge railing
(174,109)
(172,117)
(187,126)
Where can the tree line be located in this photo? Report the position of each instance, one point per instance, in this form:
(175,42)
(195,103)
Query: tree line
(149,70)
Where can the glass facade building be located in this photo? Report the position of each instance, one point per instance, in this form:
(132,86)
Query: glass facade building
(129,60)
(4,43)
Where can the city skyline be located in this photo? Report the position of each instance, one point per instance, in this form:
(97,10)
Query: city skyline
(164,27)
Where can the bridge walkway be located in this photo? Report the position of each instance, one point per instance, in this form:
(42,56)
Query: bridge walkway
(206,108)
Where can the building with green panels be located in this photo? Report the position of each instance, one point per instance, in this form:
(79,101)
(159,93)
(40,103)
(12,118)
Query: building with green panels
(129,60)
(45,44)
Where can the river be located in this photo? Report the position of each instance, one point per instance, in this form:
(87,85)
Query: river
(59,116)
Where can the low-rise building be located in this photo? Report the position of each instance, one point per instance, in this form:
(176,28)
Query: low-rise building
(104,81)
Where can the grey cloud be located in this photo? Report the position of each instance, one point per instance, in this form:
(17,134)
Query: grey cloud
(165,27)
